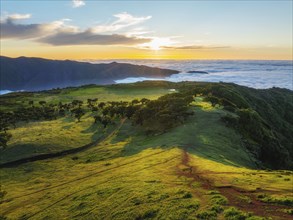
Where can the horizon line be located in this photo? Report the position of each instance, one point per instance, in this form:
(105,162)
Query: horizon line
(157,59)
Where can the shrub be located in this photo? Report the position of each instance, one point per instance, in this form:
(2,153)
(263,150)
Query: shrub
(4,138)
(74,158)
(194,205)
(289,211)
(235,214)
(213,192)
(2,217)
(217,208)
(207,215)
(149,214)
(276,200)
(2,194)
(187,195)
(219,199)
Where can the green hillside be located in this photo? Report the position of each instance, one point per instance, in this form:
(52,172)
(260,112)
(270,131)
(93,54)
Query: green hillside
(152,150)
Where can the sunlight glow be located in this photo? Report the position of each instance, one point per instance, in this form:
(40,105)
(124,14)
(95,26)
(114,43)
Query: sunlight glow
(157,43)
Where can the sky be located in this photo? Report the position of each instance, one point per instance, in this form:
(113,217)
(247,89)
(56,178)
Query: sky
(89,29)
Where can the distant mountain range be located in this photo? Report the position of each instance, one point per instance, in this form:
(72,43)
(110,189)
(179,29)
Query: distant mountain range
(32,74)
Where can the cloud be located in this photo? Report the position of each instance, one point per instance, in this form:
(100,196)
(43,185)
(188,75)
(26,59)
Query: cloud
(18,16)
(77,3)
(194,47)
(60,33)
(123,20)
(11,29)
(89,37)
(138,32)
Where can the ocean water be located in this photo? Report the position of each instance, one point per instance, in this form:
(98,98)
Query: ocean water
(252,73)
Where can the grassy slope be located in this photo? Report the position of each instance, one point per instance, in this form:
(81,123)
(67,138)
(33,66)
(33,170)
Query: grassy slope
(103,93)
(130,176)
(51,136)
(36,138)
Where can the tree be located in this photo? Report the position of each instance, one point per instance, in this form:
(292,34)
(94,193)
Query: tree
(144,101)
(4,138)
(101,104)
(62,112)
(95,109)
(213,100)
(31,103)
(77,103)
(11,119)
(97,118)
(78,113)
(130,111)
(94,101)
(134,102)
(4,125)
(160,115)
(91,102)
(42,103)
(105,121)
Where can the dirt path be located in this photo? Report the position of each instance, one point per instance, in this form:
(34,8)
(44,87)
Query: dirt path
(190,173)
(233,194)
(62,153)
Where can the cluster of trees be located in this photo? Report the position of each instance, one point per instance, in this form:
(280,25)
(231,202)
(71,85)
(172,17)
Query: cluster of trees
(102,112)
(5,121)
(35,112)
(228,105)
(155,116)
(168,111)
(265,144)
(263,118)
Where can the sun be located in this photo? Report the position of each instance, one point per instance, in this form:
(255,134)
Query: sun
(158,43)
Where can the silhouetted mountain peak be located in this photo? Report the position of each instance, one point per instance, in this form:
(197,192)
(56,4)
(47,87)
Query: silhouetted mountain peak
(25,73)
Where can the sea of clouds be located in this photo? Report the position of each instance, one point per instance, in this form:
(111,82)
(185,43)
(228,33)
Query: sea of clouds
(251,73)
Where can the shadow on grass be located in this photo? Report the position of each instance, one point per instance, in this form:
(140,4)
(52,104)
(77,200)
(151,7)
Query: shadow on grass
(68,119)
(203,135)
(97,129)
(21,151)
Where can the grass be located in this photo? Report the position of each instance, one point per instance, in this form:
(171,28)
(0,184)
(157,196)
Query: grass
(206,215)
(103,93)
(203,134)
(219,200)
(130,175)
(235,214)
(143,181)
(276,199)
(36,138)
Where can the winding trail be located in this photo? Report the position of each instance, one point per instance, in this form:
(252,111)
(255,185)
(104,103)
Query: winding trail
(232,193)
(62,153)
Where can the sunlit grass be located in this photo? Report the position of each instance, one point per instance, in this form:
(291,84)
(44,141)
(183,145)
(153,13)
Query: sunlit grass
(35,138)
(130,175)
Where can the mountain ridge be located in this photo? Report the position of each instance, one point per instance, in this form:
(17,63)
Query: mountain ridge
(27,73)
